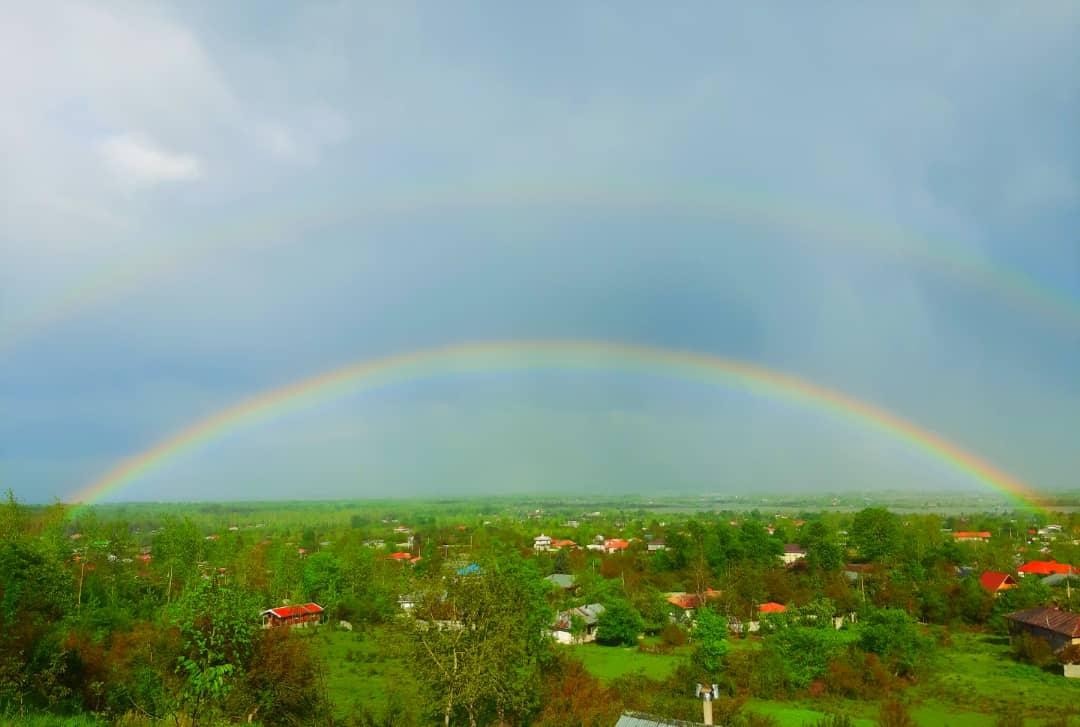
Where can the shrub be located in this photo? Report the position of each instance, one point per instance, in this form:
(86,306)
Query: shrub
(1032,650)
(894,714)
(835,720)
(619,624)
(1009,719)
(1070,654)
(673,635)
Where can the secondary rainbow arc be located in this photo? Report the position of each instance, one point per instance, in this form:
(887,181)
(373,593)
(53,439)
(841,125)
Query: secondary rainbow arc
(828,228)
(570,355)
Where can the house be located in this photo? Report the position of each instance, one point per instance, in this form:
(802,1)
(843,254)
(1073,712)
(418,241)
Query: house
(562,580)
(400,556)
(687,603)
(1044,568)
(615,545)
(402,530)
(541,543)
(564,621)
(771,607)
(1059,628)
(995,582)
(558,544)
(294,616)
(792,552)
(656,544)
(971,536)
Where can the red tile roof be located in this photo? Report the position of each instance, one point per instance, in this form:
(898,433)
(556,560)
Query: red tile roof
(400,556)
(556,543)
(303,609)
(1045,567)
(981,534)
(690,600)
(772,607)
(616,544)
(994,581)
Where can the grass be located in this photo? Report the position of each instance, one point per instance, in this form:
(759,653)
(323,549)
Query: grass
(362,672)
(612,662)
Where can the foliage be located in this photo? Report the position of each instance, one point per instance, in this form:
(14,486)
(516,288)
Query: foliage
(895,637)
(619,624)
(710,641)
(875,533)
(1032,650)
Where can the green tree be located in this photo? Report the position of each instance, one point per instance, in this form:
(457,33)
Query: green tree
(217,624)
(894,636)
(875,532)
(478,642)
(619,624)
(710,641)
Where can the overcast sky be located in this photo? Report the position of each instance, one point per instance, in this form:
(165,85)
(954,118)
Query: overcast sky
(204,200)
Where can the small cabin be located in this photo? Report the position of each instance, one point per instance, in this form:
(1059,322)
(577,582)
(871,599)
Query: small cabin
(301,615)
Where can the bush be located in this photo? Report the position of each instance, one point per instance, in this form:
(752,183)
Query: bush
(1032,650)
(894,714)
(1009,719)
(1070,654)
(673,635)
(835,720)
(619,624)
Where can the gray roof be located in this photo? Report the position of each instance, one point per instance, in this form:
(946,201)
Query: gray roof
(1059,578)
(640,719)
(562,580)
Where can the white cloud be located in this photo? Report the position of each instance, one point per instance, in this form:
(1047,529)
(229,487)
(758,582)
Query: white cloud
(140,160)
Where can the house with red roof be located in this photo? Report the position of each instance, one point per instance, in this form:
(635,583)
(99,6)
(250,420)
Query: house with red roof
(301,615)
(792,552)
(558,543)
(690,601)
(971,536)
(615,545)
(995,582)
(400,556)
(1045,568)
(772,607)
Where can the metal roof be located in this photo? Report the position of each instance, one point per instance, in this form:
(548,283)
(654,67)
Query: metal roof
(1051,619)
(640,719)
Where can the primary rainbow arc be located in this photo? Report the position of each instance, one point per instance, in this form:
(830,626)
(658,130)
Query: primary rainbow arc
(568,355)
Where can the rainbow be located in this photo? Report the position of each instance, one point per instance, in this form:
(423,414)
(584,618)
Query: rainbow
(557,355)
(826,229)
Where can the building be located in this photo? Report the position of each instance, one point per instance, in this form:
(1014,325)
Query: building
(1059,628)
(295,616)
(792,552)
(1044,568)
(562,580)
(971,536)
(615,545)
(541,543)
(772,607)
(656,544)
(640,719)
(995,582)
(589,615)
(560,543)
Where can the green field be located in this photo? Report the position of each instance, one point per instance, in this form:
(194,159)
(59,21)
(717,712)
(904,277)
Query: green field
(612,662)
(361,674)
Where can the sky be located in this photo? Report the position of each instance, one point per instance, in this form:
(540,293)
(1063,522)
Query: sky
(202,201)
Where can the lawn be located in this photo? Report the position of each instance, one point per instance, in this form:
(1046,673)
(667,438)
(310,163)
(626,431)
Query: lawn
(362,673)
(612,662)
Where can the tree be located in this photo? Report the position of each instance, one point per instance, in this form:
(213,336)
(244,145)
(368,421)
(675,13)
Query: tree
(875,532)
(895,637)
(619,624)
(478,642)
(710,641)
(217,625)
